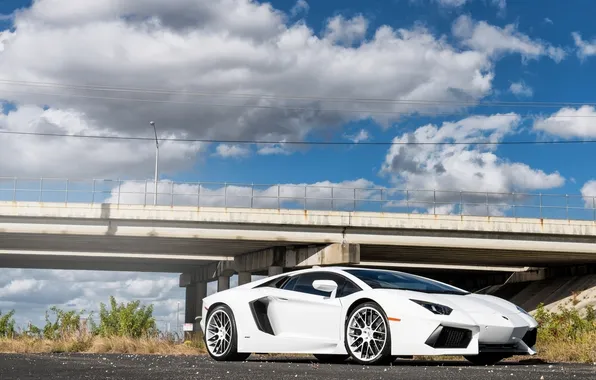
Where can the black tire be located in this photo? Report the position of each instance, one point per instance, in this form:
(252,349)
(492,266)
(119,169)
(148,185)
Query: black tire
(384,355)
(331,359)
(231,352)
(486,358)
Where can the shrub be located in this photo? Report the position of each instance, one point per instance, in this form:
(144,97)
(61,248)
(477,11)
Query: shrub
(66,323)
(7,324)
(130,320)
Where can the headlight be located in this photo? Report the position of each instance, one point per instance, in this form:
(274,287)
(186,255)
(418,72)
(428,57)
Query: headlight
(434,307)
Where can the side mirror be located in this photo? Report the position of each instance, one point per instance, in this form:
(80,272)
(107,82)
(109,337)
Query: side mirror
(328,286)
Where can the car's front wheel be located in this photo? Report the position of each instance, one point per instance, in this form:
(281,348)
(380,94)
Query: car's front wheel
(221,337)
(367,335)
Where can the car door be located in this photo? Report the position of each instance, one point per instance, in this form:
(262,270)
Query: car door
(306,319)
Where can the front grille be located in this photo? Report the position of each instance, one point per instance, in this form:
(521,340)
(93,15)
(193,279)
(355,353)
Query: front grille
(530,337)
(449,337)
(483,347)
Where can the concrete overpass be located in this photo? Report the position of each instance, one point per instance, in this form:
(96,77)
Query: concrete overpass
(207,243)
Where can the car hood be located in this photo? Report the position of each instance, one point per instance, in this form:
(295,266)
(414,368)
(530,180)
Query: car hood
(469,303)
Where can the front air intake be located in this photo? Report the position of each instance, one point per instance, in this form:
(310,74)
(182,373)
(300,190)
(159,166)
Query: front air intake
(530,337)
(449,337)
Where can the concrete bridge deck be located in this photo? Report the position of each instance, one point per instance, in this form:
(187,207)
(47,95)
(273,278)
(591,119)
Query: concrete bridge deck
(174,238)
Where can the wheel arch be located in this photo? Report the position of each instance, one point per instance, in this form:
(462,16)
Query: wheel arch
(357,303)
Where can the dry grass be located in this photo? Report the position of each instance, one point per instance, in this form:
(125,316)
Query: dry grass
(100,345)
(581,349)
(564,336)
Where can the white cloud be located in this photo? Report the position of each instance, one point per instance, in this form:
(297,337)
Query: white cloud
(319,195)
(462,167)
(588,191)
(38,156)
(569,122)
(501,4)
(234,151)
(584,48)
(31,292)
(361,136)
(5,37)
(521,89)
(301,6)
(272,149)
(452,3)
(548,20)
(496,41)
(246,47)
(346,31)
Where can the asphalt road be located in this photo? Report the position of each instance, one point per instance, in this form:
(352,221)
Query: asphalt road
(83,366)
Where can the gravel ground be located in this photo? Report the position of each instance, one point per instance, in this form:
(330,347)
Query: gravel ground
(86,366)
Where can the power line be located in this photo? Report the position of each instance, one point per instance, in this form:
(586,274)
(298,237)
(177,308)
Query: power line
(265,142)
(276,107)
(289,97)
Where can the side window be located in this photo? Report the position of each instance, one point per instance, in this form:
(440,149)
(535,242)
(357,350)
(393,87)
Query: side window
(289,285)
(348,288)
(274,283)
(304,284)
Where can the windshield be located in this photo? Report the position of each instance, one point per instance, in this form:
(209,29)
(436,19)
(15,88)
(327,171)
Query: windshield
(384,279)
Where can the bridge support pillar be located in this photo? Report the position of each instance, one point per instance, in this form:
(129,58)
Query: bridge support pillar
(190,305)
(244,278)
(194,300)
(223,283)
(274,270)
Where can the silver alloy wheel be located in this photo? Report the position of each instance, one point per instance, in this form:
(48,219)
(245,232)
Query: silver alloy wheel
(367,334)
(219,333)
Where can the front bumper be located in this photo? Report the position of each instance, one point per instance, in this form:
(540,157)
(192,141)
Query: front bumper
(510,335)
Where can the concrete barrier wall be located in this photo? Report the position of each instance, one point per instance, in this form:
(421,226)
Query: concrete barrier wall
(552,292)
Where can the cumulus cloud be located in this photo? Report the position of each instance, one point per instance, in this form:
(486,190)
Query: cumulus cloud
(462,167)
(585,48)
(37,156)
(246,48)
(588,192)
(346,31)
(226,150)
(569,122)
(452,3)
(319,195)
(500,4)
(31,292)
(301,6)
(361,136)
(521,89)
(496,41)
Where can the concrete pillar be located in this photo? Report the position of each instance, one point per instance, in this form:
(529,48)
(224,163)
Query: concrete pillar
(274,270)
(223,283)
(200,293)
(190,307)
(244,278)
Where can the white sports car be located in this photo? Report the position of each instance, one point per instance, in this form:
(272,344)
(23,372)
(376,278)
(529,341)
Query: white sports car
(369,315)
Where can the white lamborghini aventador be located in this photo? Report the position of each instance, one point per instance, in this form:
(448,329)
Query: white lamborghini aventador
(369,315)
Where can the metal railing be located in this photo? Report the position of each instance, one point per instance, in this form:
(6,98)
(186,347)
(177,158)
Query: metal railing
(306,197)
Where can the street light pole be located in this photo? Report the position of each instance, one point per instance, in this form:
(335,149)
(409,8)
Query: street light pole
(156,161)
(178,318)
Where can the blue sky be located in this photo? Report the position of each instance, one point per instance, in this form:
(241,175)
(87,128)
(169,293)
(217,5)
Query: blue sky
(424,50)
(571,80)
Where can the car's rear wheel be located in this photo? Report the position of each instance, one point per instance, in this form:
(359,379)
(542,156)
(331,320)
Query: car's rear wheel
(326,358)
(486,358)
(221,337)
(368,339)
